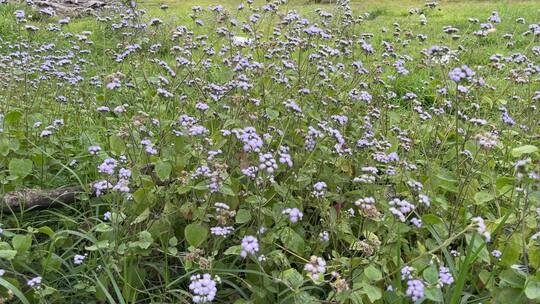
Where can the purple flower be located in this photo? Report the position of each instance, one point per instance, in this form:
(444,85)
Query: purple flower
(417,222)
(94,149)
(100,186)
(463,72)
(294,214)
(203,288)
(19,14)
(415,289)
(478,222)
(35,282)
(222,231)
(107,215)
(400,208)
(107,166)
(319,188)
(445,276)
(494,17)
(79,259)
(250,245)
(316,267)
(324,236)
(267,163)
(356,95)
(406,272)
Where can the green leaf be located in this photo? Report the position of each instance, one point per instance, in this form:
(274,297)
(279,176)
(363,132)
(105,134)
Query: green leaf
(227,190)
(272,114)
(103,227)
(511,250)
(431,219)
(20,167)
(293,278)
(254,199)
(243,216)
(13,117)
(483,197)
(145,239)
(141,217)
(4,146)
(117,144)
(373,292)
(8,254)
(510,278)
(431,275)
(434,294)
(46,230)
(372,273)
(292,240)
(532,289)
(21,243)
(195,234)
(526,149)
(99,245)
(233,250)
(163,170)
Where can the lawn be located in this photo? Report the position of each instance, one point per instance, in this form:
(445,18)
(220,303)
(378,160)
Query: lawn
(271,152)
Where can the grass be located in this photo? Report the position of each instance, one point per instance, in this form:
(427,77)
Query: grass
(354,169)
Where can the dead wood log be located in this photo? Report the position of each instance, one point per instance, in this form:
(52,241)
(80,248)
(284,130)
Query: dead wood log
(40,198)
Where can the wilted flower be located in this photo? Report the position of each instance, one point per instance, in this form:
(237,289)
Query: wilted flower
(316,267)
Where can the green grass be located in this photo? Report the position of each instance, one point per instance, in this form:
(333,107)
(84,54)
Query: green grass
(157,235)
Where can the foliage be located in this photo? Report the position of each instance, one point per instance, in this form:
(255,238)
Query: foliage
(255,154)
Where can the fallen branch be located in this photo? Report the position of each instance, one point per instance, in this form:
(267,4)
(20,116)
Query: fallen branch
(40,199)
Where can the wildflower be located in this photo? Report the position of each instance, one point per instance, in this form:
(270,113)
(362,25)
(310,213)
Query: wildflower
(294,214)
(222,231)
(94,149)
(250,245)
(406,272)
(487,140)
(365,203)
(100,186)
(445,277)
(324,236)
(400,208)
(35,282)
(45,133)
(424,199)
(284,156)
(415,289)
(107,166)
(494,17)
(319,188)
(463,72)
(481,227)
(316,266)
(417,222)
(107,215)
(496,254)
(203,288)
(19,14)
(267,163)
(79,259)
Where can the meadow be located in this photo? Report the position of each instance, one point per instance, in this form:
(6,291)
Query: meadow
(271,152)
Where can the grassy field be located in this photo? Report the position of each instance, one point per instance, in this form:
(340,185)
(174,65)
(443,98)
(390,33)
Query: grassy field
(352,152)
